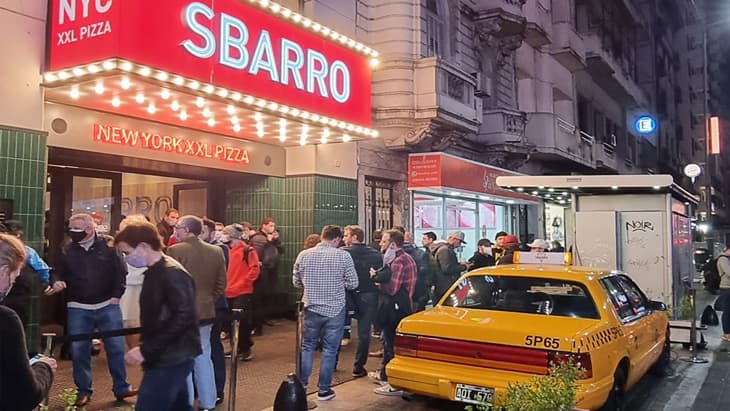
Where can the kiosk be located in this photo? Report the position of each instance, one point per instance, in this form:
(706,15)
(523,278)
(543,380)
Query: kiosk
(640,224)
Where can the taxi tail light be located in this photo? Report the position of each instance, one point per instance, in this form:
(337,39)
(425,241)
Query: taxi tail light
(581,359)
(405,345)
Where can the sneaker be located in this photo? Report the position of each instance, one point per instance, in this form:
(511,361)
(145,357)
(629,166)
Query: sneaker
(359,373)
(378,353)
(375,377)
(386,389)
(326,395)
(246,356)
(345,340)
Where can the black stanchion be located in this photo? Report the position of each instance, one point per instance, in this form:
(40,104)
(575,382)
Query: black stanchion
(693,358)
(291,395)
(237,312)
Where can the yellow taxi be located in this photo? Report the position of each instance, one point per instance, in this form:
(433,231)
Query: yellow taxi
(505,324)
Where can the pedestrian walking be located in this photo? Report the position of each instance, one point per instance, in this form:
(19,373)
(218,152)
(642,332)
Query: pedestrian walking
(324,272)
(207,266)
(93,275)
(170,339)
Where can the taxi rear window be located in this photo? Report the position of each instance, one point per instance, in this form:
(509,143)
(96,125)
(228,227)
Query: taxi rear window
(524,295)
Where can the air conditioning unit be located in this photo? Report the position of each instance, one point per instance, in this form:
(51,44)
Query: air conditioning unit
(612,140)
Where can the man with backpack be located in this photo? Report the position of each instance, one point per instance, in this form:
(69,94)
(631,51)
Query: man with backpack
(712,275)
(243,271)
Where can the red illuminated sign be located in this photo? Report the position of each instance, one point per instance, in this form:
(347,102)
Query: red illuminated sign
(224,42)
(438,170)
(170,144)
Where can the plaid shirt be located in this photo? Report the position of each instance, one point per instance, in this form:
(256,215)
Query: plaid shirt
(324,272)
(404,274)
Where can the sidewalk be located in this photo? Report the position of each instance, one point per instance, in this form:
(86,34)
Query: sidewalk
(258,380)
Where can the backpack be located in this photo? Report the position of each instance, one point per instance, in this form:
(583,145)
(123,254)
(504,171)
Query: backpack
(712,275)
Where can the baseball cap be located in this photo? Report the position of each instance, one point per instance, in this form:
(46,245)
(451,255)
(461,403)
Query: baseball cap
(509,239)
(539,243)
(458,235)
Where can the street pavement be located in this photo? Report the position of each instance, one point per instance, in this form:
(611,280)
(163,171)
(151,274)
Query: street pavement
(695,387)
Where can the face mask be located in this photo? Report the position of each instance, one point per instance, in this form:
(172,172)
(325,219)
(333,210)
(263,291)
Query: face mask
(135,261)
(76,235)
(5,293)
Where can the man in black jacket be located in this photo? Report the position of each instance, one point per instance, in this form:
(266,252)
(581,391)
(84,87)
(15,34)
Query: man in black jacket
(366,295)
(170,340)
(420,256)
(268,246)
(445,266)
(22,386)
(94,277)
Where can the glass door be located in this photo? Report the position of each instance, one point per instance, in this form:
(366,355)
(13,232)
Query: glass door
(74,190)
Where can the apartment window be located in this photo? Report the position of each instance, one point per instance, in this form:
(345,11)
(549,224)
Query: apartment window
(435,30)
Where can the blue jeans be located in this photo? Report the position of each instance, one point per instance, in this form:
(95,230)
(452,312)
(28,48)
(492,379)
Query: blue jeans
(388,338)
(82,321)
(330,329)
(203,373)
(368,306)
(165,389)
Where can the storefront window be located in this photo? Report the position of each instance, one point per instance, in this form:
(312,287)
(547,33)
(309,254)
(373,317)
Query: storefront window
(153,195)
(442,215)
(93,196)
(555,223)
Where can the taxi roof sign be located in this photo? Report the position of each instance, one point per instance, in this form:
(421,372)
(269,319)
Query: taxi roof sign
(543,258)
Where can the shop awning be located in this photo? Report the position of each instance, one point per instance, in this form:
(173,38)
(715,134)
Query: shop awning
(560,188)
(254,70)
(455,176)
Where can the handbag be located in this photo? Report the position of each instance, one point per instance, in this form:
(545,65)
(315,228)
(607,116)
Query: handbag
(392,309)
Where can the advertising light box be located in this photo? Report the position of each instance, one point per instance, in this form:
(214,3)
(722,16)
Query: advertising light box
(226,43)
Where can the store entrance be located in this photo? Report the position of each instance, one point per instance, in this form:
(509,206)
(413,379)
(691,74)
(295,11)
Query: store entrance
(110,196)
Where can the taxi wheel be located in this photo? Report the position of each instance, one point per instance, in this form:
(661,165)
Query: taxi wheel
(616,398)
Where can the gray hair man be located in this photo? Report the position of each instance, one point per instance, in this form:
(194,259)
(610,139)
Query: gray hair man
(207,266)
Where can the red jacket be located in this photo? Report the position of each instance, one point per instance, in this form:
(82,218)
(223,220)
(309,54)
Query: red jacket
(242,274)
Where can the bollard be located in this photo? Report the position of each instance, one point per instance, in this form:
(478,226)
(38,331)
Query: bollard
(48,352)
(237,312)
(693,332)
(291,395)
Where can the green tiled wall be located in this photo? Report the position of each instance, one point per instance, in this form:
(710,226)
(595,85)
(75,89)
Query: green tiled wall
(22,177)
(301,205)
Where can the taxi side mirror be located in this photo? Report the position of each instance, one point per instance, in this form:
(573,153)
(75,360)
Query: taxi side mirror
(656,306)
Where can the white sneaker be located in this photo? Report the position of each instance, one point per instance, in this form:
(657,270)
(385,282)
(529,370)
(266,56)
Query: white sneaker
(345,342)
(375,377)
(386,389)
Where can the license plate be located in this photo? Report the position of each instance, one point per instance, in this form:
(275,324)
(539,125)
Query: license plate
(473,395)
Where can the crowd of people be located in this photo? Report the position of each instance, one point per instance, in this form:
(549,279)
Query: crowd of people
(178,281)
(175,281)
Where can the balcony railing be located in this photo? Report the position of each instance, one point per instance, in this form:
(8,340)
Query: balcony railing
(502,126)
(554,137)
(446,93)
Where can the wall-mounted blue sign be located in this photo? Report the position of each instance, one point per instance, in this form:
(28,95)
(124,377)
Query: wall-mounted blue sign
(645,124)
